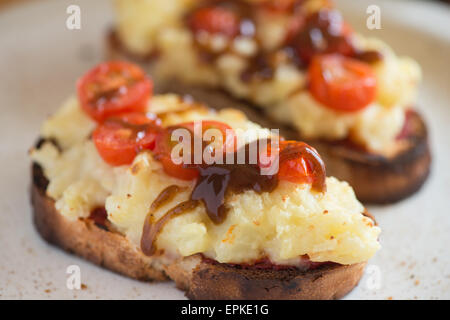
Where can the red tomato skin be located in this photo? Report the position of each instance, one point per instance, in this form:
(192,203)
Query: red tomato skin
(112,148)
(324,32)
(120,138)
(148,141)
(293,170)
(351,90)
(296,171)
(164,146)
(162,151)
(215,20)
(228,134)
(177,170)
(112,101)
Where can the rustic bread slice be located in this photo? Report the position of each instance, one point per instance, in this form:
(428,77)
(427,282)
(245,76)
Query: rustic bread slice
(200,278)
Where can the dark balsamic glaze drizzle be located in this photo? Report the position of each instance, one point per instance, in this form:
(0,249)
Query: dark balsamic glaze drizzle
(99,215)
(217,181)
(262,66)
(151,228)
(244,12)
(369,56)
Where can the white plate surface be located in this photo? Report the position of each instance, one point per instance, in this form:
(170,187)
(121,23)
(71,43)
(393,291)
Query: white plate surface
(40,59)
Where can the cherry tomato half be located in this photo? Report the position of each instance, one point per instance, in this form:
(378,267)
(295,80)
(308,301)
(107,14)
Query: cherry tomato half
(120,138)
(228,142)
(163,153)
(295,170)
(215,20)
(323,32)
(341,83)
(114,87)
(145,126)
(164,146)
(297,162)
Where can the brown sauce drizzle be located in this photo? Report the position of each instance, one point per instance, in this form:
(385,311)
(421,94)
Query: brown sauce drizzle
(217,181)
(320,34)
(151,228)
(244,12)
(100,217)
(369,56)
(165,196)
(262,66)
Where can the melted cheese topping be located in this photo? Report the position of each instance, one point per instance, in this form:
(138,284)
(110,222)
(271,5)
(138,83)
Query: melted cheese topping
(285,96)
(289,222)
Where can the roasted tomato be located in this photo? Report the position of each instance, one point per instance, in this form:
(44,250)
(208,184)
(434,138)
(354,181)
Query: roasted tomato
(295,170)
(341,83)
(120,138)
(215,20)
(114,87)
(323,32)
(145,126)
(165,145)
(163,153)
(228,140)
(297,163)
(179,171)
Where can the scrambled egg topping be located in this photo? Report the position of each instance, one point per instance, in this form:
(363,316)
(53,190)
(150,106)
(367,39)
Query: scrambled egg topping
(289,222)
(285,96)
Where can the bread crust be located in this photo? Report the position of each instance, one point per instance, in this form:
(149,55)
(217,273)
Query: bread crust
(376,179)
(198,277)
(220,281)
(88,240)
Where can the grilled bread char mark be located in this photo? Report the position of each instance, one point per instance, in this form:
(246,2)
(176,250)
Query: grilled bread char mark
(194,274)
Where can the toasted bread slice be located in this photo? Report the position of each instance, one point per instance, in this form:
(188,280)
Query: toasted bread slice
(378,179)
(327,282)
(197,276)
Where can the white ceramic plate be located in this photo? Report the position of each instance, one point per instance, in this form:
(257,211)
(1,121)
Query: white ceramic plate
(40,59)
